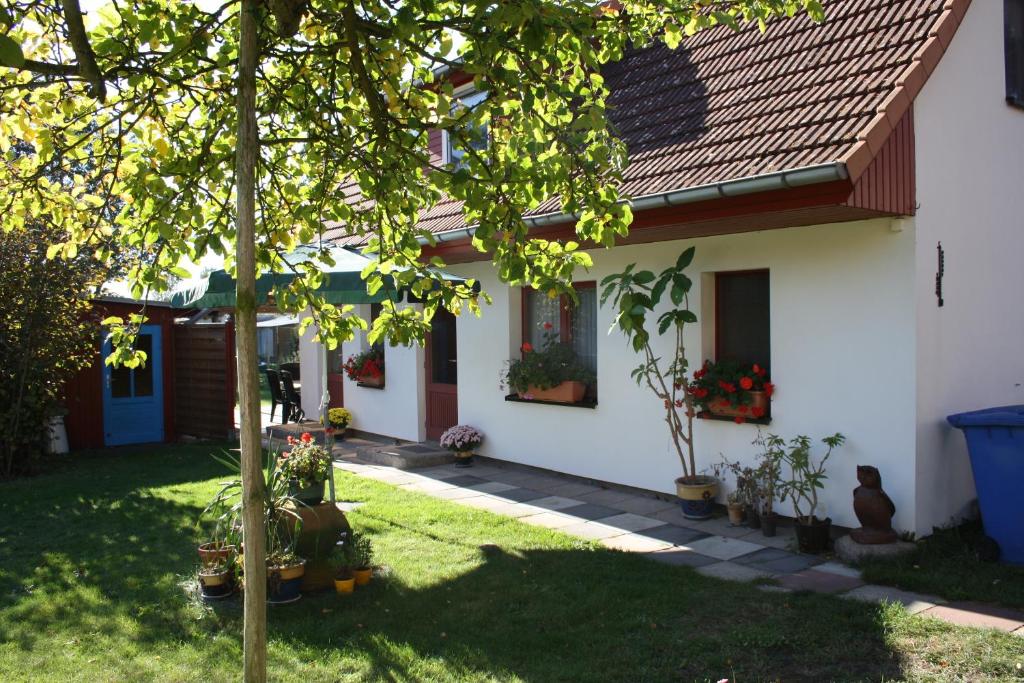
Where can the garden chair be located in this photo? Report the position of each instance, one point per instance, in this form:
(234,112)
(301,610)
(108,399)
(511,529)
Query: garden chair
(276,397)
(292,399)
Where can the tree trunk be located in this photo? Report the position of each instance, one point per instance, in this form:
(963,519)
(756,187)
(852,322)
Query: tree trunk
(246,154)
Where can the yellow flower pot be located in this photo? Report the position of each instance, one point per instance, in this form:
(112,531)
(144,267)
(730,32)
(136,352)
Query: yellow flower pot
(362,576)
(344,585)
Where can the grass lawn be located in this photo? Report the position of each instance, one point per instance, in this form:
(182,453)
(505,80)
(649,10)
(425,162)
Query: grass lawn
(97,560)
(947,564)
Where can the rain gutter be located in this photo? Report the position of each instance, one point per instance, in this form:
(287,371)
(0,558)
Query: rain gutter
(768,182)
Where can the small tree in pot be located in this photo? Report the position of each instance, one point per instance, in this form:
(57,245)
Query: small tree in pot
(636,294)
(802,486)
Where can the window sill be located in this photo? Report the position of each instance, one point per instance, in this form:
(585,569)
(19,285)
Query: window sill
(766,420)
(512,398)
(369,386)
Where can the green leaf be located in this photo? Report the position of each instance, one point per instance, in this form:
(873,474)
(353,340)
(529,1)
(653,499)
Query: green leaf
(685,259)
(10,53)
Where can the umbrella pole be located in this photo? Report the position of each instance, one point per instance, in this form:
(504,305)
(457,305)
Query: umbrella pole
(325,402)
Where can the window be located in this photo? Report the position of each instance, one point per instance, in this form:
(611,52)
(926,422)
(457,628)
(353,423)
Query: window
(336,356)
(1013,30)
(742,318)
(473,136)
(564,321)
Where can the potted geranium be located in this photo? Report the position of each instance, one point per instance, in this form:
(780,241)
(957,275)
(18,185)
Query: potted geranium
(733,390)
(801,487)
(552,373)
(339,419)
(636,295)
(306,467)
(462,440)
(343,558)
(367,367)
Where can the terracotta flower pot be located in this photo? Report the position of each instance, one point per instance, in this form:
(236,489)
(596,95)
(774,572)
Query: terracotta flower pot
(735,513)
(758,399)
(566,392)
(697,496)
(216,551)
(369,381)
(344,586)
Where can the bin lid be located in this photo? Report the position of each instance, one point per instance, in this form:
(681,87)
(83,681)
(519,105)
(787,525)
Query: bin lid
(1003,416)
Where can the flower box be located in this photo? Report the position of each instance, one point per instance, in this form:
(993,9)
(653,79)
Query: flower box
(758,405)
(371,381)
(566,392)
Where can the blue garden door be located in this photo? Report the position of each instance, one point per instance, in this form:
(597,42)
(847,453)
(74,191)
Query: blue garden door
(133,399)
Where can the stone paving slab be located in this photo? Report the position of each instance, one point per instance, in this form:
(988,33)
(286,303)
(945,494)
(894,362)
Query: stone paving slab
(631,522)
(642,505)
(456,494)
(977,615)
(550,520)
(427,486)
(594,531)
(720,526)
(723,548)
(682,557)
(591,511)
(605,497)
(466,480)
(492,487)
(555,503)
(785,539)
(777,561)
(520,495)
(676,535)
(912,602)
(635,543)
(570,489)
(819,582)
(833,567)
(730,571)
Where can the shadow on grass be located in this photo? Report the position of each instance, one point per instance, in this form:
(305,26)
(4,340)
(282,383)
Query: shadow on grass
(95,551)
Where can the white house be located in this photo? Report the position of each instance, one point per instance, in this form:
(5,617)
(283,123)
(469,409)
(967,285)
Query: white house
(855,193)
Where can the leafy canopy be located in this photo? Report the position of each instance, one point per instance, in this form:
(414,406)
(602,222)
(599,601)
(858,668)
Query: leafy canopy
(140,94)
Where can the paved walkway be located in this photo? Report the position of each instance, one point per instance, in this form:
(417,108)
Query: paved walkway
(656,528)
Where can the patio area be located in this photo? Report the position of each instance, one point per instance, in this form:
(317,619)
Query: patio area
(654,527)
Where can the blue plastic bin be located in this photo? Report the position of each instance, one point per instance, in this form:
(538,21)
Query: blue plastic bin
(995,440)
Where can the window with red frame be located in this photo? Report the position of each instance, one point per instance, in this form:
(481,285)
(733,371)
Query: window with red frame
(568,322)
(743,317)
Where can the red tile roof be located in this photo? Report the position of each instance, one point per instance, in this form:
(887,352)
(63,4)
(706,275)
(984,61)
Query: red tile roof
(735,104)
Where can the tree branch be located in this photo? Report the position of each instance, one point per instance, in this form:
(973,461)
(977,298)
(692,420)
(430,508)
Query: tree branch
(87,67)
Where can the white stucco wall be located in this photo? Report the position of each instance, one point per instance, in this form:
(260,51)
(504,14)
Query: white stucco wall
(970,188)
(397,410)
(842,358)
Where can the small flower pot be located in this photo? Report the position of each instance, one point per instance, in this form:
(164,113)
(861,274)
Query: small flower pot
(769,523)
(310,495)
(362,576)
(216,584)
(344,586)
(339,433)
(735,513)
(697,496)
(753,517)
(215,552)
(283,583)
(566,392)
(464,458)
(813,537)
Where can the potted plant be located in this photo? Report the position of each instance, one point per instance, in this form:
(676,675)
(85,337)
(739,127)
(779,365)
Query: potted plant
(734,505)
(553,373)
(733,390)
(768,473)
(362,558)
(217,578)
(636,295)
(462,440)
(367,367)
(801,487)
(338,420)
(343,558)
(306,467)
(285,570)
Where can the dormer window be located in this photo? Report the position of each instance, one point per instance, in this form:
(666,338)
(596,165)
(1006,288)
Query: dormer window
(472,136)
(1013,28)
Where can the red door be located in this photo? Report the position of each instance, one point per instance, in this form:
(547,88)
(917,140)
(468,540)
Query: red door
(442,375)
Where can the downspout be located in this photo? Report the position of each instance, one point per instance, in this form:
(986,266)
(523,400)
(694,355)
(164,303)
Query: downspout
(768,182)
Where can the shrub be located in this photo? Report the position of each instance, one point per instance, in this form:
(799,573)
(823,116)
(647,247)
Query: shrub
(461,438)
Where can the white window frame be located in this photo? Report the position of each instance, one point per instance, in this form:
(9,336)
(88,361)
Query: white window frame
(446,146)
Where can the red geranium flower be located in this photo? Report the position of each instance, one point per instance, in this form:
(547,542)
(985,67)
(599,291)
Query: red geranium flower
(727,387)
(527,347)
(739,420)
(700,373)
(744,409)
(759,371)
(757,411)
(746,383)
(769,388)
(548,326)
(306,437)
